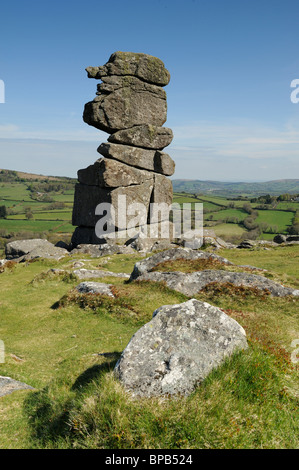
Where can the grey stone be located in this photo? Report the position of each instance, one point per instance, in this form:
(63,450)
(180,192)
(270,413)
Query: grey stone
(146,265)
(178,349)
(280,238)
(109,173)
(19,248)
(145,136)
(95,288)
(95,273)
(47,252)
(147,67)
(85,236)
(9,385)
(247,244)
(130,102)
(192,283)
(88,197)
(152,160)
(103,249)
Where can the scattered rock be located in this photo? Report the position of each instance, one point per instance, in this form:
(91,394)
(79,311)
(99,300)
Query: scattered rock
(8,386)
(247,244)
(94,273)
(151,262)
(95,288)
(192,283)
(178,349)
(105,249)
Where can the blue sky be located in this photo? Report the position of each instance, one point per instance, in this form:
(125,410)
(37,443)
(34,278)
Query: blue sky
(231,64)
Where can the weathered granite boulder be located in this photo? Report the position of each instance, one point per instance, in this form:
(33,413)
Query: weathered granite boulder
(95,288)
(192,283)
(88,197)
(144,66)
(108,173)
(178,349)
(96,273)
(144,136)
(280,238)
(146,265)
(124,102)
(152,160)
(103,249)
(247,244)
(22,247)
(24,250)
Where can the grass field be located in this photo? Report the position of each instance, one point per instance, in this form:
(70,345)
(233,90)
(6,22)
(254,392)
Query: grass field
(280,219)
(68,352)
(17,198)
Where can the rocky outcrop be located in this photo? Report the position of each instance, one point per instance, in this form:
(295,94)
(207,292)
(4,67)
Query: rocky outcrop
(146,265)
(95,288)
(192,283)
(130,105)
(178,348)
(25,250)
(96,273)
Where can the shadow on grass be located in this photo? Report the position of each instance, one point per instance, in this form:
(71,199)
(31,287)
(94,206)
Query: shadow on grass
(49,410)
(94,372)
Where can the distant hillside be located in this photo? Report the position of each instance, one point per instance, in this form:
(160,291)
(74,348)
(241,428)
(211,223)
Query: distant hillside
(275,187)
(7,176)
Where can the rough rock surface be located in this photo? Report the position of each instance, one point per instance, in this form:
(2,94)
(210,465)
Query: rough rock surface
(94,288)
(280,238)
(124,103)
(144,66)
(94,273)
(145,136)
(105,249)
(130,104)
(108,173)
(152,160)
(90,196)
(146,265)
(24,250)
(8,386)
(178,349)
(192,283)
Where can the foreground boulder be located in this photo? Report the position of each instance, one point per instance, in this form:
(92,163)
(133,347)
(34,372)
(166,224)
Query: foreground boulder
(178,349)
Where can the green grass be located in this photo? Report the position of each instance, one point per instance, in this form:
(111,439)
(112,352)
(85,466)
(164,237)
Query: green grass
(236,213)
(68,345)
(35,225)
(280,219)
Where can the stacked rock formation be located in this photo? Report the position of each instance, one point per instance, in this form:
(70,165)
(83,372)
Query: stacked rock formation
(131,106)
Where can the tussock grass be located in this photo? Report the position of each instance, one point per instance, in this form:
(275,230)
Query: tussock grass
(69,344)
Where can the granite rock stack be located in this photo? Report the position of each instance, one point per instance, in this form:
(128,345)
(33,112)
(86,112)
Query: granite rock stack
(130,105)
